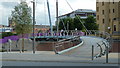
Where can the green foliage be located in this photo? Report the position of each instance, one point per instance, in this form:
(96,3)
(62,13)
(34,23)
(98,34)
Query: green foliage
(90,23)
(39,31)
(91,26)
(21,16)
(6,34)
(76,23)
(90,19)
(70,23)
(2,50)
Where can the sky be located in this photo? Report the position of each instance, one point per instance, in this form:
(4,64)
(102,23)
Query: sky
(6,6)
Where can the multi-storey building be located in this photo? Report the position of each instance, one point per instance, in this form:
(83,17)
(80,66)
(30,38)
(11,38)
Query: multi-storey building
(83,13)
(108,16)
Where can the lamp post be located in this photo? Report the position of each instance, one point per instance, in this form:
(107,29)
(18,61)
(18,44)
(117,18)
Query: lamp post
(33,25)
(57,23)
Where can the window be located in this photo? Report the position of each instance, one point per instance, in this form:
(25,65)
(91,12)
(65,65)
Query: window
(97,17)
(113,10)
(97,1)
(113,2)
(103,12)
(109,20)
(97,9)
(103,21)
(102,3)
(109,10)
(114,27)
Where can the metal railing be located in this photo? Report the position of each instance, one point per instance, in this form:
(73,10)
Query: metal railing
(104,46)
(62,33)
(66,43)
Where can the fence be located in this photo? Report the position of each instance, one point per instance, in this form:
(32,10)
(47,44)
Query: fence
(104,46)
(64,33)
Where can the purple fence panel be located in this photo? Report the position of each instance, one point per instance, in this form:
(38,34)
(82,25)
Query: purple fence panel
(81,33)
(5,39)
(19,36)
(41,34)
(14,38)
(1,41)
(37,34)
(26,36)
(54,34)
(46,34)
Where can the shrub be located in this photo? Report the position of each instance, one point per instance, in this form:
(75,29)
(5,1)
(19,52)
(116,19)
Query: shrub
(6,34)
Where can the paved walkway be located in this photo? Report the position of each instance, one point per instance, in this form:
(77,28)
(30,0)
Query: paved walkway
(85,50)
(81,54)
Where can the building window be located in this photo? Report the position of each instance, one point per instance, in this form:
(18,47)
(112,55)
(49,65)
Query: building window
(109,20)
(103,21)
(97,2)
(113,10)
(102,3)
(109,10)
(97,9)
(103,12)
(114,27)
(113,2)
(97,17)
(109,2)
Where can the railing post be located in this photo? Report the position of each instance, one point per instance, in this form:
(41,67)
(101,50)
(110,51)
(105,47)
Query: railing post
(86,34)
(9,40)
(55,50)
(100,49)
(92,52)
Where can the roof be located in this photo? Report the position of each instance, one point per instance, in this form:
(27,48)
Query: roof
(80,10)
(42,26)
(85,10)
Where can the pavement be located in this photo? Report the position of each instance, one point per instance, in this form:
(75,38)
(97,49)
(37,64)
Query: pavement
(81,54)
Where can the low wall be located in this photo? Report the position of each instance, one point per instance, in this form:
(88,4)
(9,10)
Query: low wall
(45,46)
(115,46)
(50,46)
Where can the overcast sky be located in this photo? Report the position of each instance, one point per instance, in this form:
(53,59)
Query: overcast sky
(6,6)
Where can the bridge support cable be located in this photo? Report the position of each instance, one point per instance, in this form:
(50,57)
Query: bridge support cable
(51,29)
(78,17)
(62,22)
(57,21)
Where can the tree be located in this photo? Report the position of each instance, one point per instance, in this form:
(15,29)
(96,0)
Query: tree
(21,16)
(90,19)
(90,23)
(77,23)
(70,23)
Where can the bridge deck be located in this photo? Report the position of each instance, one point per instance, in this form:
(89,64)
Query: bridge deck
(85,50)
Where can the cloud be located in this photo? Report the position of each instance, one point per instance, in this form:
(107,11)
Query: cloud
(41,8)
(6,8)
(9,4)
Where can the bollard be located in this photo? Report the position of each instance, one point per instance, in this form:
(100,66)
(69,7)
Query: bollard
(107,54)
(92,52)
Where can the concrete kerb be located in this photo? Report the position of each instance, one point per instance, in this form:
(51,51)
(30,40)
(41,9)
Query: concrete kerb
(66,50)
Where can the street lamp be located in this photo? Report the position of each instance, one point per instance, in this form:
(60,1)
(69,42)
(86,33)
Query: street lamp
(33,25)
